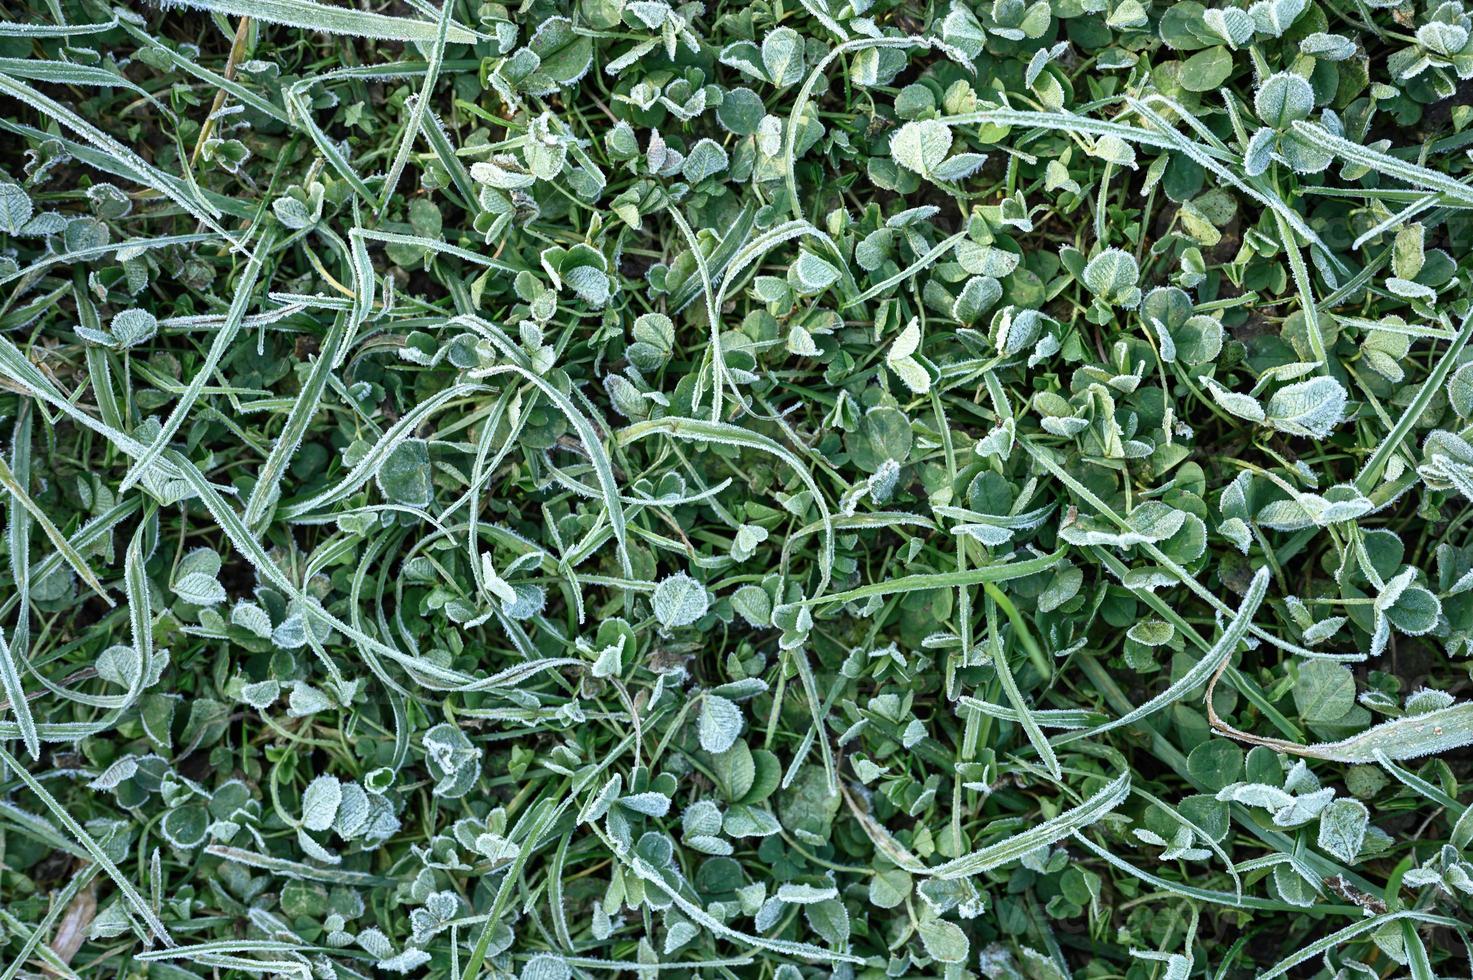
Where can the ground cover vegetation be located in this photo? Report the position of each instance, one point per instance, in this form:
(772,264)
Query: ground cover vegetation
(837,488)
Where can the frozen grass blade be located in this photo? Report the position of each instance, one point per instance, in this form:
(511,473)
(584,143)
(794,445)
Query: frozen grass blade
(575,513)
(309,15)
(268,480)
(417,108)
(1210,664)
(222,343)
(58,540)
(136,903)
(1011,849)
(1374,467)
(15,697)
(135,165)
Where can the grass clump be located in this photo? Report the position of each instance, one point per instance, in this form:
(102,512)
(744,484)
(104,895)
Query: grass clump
(741,490)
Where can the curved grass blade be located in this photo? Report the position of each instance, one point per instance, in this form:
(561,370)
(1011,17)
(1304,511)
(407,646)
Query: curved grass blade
(419,104)
(295,869)
(1200,672)
(1410,737)
(1049,832)
(34,946)
(1366,480)
(701,430)
(218,347)
(137,167)
(805,95)
(806,951)
(16,29)
(18,531)
(1341,936)
(304,409)
(309,15)
(1384,163)
(58,540)
(15,693)
(136,902)
(1001,572)
(732,240)
(67,73)
(1046,717)
(1024,713)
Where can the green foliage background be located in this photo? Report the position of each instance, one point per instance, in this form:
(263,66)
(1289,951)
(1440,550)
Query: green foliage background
(776,490)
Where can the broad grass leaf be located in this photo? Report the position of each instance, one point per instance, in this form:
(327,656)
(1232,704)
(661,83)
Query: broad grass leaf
(1041,835)
(312,16)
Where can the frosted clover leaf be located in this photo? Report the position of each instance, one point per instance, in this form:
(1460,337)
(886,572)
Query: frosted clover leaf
(720,723)
(132,327)
(923,147)
(1282,100)
(405,475)
(128,329)
(320,802)
(1342,829)
(782,56)
(778,490)
(1112,277)
(1310,408)
(197,578)
(15,207)
(679,600)
(902,360)
(452,760)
